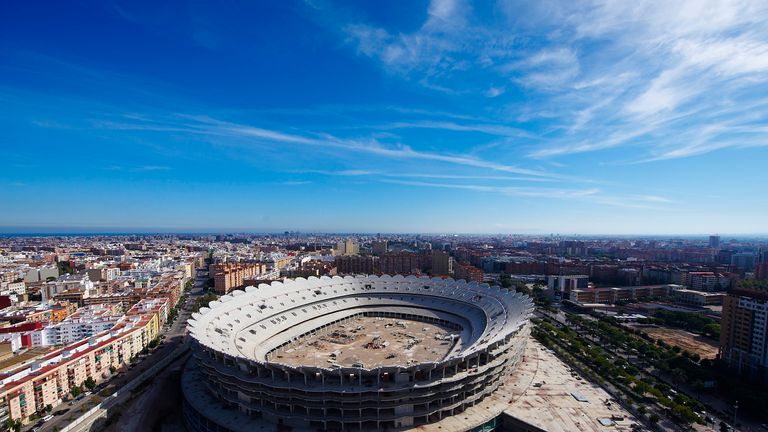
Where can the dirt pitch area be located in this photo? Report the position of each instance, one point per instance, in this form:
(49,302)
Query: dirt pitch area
(691,342)
(371,342)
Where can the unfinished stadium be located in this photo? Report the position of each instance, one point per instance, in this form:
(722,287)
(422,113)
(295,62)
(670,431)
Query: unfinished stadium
(351,353)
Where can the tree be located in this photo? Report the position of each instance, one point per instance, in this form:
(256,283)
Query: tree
(76,391)
(90,383)
(654,418)
(48,408)
(678,375)
(13,425)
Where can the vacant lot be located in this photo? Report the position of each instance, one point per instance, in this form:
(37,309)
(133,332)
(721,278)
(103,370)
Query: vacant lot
(691,342)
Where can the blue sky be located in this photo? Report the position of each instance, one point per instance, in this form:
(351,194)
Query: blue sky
(606,117)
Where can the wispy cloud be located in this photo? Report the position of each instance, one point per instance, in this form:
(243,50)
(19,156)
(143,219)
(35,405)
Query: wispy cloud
(366,173)
(142,168)
(591,195)
(204,125)
(606,74)
(490,129)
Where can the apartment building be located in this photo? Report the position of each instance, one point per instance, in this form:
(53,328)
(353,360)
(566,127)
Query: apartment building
(468,272)
(706,281)
(744,328)
(566,283)
(67,283)
(404,263)
(229,276)
(27,390)
(619,294)
(442,263)
(357,264)
(692,298)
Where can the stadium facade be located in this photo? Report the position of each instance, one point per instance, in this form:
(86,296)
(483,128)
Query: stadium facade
(238,379)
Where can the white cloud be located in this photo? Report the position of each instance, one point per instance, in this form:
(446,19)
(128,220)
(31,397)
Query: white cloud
(587,195)
(207,126)
(612,73)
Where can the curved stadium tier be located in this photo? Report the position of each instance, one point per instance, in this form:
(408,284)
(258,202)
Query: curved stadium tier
(351,353)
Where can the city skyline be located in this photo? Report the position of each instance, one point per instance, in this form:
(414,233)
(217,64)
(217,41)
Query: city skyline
(432,117)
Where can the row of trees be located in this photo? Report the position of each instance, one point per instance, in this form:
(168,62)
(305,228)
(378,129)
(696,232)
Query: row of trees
(684,367)
(640,387)
(536,290)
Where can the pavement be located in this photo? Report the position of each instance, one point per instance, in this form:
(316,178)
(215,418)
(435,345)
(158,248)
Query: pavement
(550,400)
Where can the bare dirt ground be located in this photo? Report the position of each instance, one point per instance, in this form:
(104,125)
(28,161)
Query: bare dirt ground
(371,342)
(691,342)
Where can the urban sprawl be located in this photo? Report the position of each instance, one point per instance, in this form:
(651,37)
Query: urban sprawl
(663,324)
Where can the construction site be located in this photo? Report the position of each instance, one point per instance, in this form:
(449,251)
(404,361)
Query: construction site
(369,342)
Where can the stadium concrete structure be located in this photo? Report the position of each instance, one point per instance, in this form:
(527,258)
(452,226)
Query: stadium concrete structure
(236,380)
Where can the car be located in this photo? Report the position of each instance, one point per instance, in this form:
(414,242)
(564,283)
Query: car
(48,417)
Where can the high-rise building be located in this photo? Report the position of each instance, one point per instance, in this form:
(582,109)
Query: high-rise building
(744,328)
(761,268)
(442,263)
(346,248)
(744,260)
(714,241)
(404,263)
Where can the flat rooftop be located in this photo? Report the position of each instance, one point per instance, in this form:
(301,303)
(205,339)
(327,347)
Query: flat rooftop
(548,394)
(370,342)
(12,362)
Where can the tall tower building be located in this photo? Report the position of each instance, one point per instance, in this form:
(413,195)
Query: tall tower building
(351,248)
(442,263)
(714,241)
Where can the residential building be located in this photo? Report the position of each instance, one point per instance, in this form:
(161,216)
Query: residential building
(357,264)
(28,389)
(566,283)
(379,247)
(229,276)
(442,263)
(744,328)
(467,272)
(692,298)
